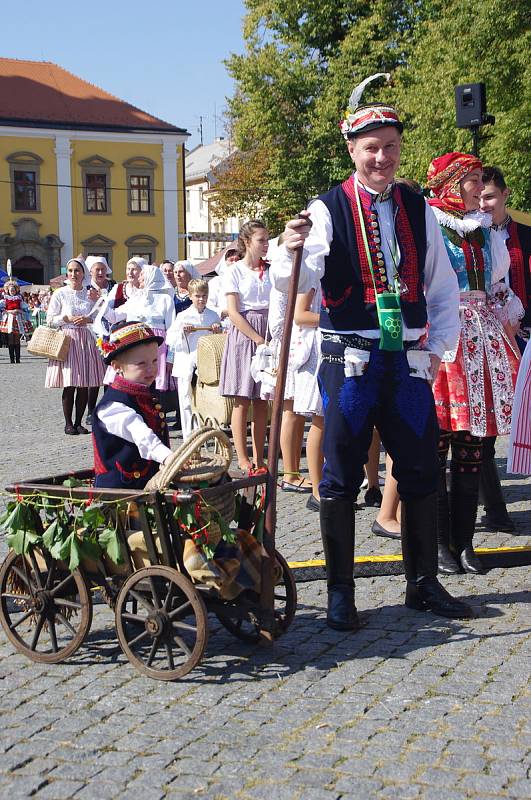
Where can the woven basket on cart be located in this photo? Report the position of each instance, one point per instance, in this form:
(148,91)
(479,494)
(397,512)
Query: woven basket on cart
(192,465)
(209,355)
(50,343)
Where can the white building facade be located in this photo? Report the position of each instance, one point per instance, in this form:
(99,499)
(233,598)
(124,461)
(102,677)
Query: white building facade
(207,233)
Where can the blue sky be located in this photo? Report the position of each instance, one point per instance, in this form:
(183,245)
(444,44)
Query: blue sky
(164,56)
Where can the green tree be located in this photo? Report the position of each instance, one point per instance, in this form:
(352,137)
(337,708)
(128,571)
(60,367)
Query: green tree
(465,43)
(303,57)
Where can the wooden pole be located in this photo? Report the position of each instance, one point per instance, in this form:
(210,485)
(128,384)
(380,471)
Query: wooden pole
(267,601)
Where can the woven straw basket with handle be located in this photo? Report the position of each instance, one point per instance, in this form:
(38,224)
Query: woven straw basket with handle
(209,355)
(193,463)
(50,343)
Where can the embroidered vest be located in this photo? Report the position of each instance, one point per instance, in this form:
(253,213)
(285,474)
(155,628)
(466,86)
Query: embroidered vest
(470,257)
(347,288)
(117,462)
(519,247)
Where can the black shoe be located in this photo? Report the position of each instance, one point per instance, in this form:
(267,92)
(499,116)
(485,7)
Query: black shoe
(70,430)
(463,510)
(337,532)
(342,613)
(379,530)
(470,562)
(447,563)
(373,497)
(497,519)
(491,494)
(312,503)
(81,429)
(429,595)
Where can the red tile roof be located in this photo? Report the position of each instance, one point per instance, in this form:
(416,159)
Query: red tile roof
(43,94)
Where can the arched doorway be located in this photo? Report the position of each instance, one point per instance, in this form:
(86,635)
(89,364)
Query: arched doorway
(29,269)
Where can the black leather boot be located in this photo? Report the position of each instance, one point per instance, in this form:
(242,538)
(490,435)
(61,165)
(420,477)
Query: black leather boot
(491,494)
(463,510)
(17,352)
(11,348)
(447,563)
(419,550)
(337,532)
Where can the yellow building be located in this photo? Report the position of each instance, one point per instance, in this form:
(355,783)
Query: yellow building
(83,172)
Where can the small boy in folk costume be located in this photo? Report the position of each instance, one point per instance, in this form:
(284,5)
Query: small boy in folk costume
(183,337)
(13,323)
(129,430)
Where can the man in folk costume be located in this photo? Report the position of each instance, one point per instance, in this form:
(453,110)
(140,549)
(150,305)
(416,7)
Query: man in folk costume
(384,271)
(475,385)
(517,237)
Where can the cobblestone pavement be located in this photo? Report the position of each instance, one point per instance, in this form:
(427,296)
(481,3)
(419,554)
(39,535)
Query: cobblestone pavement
(412,706)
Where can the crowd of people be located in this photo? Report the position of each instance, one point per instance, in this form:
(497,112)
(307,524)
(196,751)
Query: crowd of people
(410,323)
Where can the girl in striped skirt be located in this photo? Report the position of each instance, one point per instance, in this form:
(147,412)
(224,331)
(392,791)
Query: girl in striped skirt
(70,309)
(247,288)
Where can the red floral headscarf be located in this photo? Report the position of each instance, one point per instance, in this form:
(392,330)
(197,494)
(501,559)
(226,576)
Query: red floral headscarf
(444,176)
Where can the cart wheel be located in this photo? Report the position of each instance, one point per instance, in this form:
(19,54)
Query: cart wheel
(242,616)
(45,610)
(161,622)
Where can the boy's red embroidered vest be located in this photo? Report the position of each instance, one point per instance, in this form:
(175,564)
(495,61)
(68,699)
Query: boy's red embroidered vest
(117,462)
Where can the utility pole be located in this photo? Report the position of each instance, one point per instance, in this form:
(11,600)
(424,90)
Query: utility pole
(200,129)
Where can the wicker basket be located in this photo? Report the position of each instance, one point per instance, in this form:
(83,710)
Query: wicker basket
(224,501)
(209,355)
(50,343)
(192,464)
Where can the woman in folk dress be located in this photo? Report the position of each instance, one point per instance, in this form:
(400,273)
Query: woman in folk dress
(13,323)
(70,310)
(474,387)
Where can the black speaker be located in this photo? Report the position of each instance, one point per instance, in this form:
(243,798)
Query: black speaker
(470,104)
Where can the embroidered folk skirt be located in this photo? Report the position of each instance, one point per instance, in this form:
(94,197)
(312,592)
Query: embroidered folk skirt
(475,391)
(15,323)
(83,365)
(519,455)
(235,377)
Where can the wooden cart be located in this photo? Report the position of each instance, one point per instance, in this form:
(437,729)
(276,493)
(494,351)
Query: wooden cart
(161,616)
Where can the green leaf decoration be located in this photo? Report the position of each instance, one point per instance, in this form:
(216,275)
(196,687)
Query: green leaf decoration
(21,541)
(110,543)
(75,552)
(72,483)
(90,548)
(61,548)
(94,517)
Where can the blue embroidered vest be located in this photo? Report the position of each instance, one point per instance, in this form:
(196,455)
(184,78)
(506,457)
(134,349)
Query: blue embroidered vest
(344,307)
(117,462)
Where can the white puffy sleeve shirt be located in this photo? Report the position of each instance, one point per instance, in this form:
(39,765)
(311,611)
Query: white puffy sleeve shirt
(125,422)
(440,282)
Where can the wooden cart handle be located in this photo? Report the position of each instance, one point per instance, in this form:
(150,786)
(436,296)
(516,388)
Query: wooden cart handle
(267,601)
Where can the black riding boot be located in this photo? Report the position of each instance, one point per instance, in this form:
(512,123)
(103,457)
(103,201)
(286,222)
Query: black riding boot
(419,550)
(17,352)
(337,532)
(490,492)
(463,510)
(447,563)
(11,348)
